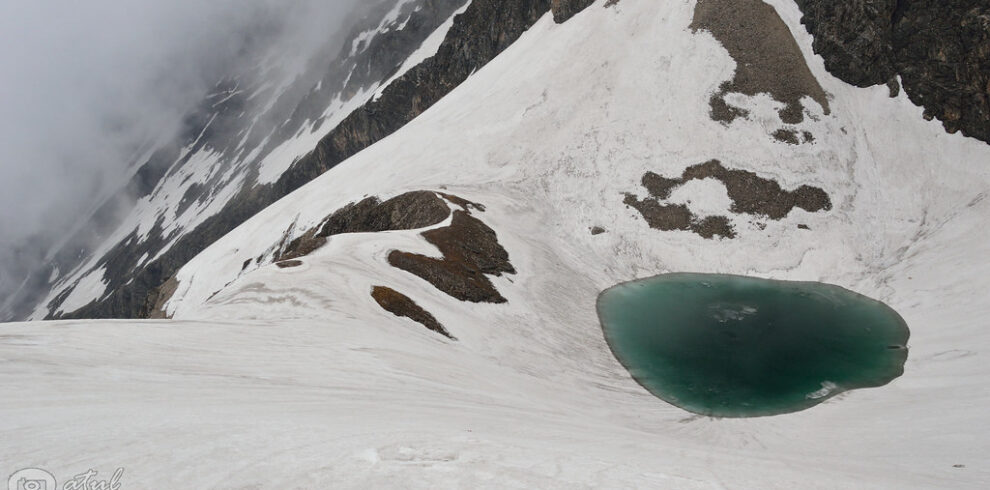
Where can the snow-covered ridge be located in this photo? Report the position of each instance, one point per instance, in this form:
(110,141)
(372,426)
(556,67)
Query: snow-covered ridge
(483,31)
(246,134)
(560,127)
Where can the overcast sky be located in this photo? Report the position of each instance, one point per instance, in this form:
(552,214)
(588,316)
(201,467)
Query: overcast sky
(83,82)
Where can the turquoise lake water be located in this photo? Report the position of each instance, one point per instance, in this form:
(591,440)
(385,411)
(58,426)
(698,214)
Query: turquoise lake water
(732,346)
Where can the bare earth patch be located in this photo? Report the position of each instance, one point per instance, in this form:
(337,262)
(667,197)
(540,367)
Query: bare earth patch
(788,136)
(670,217)
(408,211)
(750,194)
(401,305)
(768,59)
(471,251)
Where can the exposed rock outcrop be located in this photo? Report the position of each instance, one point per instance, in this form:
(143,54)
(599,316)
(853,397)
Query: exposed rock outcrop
(485,29)
(408,211)
(768,59)
(750,194)
(401,305)
(940,49)
(160,296)
(470,252)
(670,217)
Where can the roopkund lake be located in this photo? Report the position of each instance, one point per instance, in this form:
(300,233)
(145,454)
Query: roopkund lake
(733,346)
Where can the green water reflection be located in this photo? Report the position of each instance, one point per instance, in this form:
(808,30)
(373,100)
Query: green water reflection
(732,346)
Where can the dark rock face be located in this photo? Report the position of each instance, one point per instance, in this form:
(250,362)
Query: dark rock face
(470,252)
(485,29)
(854,37)
(408,211)
(401,305)
(940,48)
(768,59)
(565,9)
(750,194)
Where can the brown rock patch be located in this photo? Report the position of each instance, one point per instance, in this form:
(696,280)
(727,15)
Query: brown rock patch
(401,305)
(750,194)
(157,299)
(408,211)
(470,251)
(788,136)
(670,217)
(768,59)
(302,246)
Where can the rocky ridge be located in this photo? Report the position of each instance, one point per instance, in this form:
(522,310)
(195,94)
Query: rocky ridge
(485,29)
(939,49)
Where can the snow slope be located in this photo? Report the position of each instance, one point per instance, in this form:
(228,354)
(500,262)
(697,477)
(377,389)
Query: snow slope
(295,378)
(252,128)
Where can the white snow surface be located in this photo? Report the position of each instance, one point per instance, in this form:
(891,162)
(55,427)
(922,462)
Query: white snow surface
(160,207)
(295,378)
(90,286)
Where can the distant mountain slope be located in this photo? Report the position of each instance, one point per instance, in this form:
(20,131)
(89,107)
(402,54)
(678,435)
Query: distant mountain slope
(248,146)
(244,135)
(483,30)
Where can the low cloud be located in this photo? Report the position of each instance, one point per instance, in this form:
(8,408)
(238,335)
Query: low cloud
(84,84)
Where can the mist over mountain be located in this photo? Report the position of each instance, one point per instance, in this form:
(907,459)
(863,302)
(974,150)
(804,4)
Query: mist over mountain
(89,86)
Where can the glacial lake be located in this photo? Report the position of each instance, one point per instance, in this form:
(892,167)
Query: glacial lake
(733,346)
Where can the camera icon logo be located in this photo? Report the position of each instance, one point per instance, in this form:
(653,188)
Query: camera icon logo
(32,479)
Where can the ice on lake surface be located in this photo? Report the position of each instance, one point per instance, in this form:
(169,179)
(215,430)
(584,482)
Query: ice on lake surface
(733,346)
